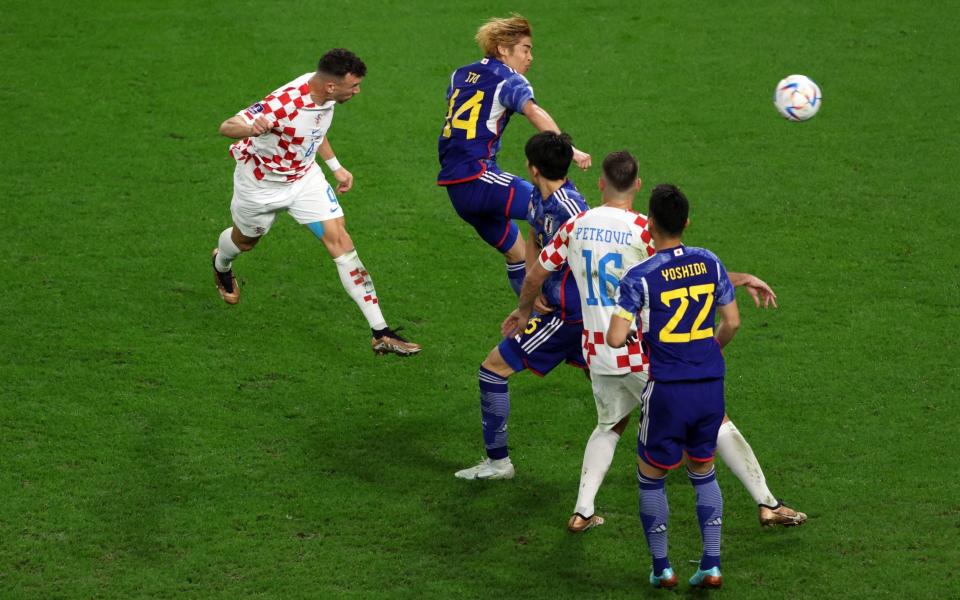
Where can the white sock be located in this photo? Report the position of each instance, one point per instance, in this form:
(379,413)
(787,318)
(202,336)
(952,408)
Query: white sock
(226,251)
(738,455)
(596,460)
(359,286)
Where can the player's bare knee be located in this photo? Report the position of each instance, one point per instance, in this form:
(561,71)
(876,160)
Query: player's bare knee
(245,243)
(649,470)
(494,363)
(621,426)
(699,467)
(335,237)
(517,252)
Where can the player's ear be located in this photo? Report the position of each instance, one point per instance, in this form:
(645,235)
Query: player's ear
(601,184)
(686,224)
(638,184)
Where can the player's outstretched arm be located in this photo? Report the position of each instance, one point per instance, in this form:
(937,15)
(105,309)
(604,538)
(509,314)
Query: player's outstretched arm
(236,128)
(532,253)
(619,330)
(542,120)
(729,323)
(756,287)
(528,294)
(344,177)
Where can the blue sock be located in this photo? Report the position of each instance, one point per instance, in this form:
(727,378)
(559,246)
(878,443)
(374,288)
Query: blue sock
(654,514)
(515,273)
(494,410)
(710,515)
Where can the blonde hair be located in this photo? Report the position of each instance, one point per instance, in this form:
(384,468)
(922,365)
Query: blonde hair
(502,32)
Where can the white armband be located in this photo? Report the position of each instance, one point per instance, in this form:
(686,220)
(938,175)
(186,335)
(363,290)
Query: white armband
(333,164)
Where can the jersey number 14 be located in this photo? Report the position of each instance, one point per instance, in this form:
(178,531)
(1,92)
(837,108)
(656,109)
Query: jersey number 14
(455,120)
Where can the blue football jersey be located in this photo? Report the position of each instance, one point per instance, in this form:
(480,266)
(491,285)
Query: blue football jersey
(546,217)
(675,295)
(480,99)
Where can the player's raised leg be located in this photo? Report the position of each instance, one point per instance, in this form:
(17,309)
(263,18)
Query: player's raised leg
(251,221)
(489,204)
(737,454)
(516,264)
(227,249)
(359,286)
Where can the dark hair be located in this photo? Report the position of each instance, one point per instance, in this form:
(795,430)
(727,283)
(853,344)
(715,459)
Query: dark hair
(620,170)
(340,61)
(550,152)
(669,209)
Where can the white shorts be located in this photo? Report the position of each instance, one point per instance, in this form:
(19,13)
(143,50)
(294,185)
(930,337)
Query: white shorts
(256,203)
(616,396)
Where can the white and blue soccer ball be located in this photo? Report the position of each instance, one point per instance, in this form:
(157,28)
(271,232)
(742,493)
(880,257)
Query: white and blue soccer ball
(797,97)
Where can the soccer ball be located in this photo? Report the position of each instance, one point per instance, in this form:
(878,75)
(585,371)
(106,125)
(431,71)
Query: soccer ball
(797,97)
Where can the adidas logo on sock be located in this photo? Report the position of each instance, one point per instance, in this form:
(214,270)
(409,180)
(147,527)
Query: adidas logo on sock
(716,522)
(661,528)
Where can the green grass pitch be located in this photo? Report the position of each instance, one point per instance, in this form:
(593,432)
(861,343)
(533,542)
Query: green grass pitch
(156,443)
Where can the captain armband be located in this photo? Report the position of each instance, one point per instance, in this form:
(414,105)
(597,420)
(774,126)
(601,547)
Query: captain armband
(624,314)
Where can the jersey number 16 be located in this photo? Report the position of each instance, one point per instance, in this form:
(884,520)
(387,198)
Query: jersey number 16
(604,279)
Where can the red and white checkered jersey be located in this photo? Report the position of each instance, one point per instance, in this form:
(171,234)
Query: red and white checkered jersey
(298,125)
(599,245)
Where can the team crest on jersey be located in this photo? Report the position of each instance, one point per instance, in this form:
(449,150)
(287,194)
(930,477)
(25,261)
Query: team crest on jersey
(255,108)
(549,225)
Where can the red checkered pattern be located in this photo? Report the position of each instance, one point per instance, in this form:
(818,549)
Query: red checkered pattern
(359,276)
(554,255)
(641,221)
(591,339)
(630,358)
(280,155)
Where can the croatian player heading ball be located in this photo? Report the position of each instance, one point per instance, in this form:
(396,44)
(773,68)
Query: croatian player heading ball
(797,97)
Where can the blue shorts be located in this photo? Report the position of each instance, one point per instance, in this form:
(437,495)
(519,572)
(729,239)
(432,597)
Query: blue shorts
(490,202)
(546,342)
(680,416)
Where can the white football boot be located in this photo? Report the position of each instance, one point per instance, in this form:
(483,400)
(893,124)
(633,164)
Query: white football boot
(488,469)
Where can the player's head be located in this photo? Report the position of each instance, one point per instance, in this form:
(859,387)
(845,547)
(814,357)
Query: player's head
(620,175)
(669,210)
(549,155)
(340,72)
(508,40)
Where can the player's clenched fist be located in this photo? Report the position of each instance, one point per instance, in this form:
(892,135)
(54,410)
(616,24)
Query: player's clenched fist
(260,126)
(582,159)
(344,180)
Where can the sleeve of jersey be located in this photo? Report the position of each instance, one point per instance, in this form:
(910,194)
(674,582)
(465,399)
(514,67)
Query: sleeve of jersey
(554,255)
(725,292)
(515,93)
(274,107)
(629,296)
